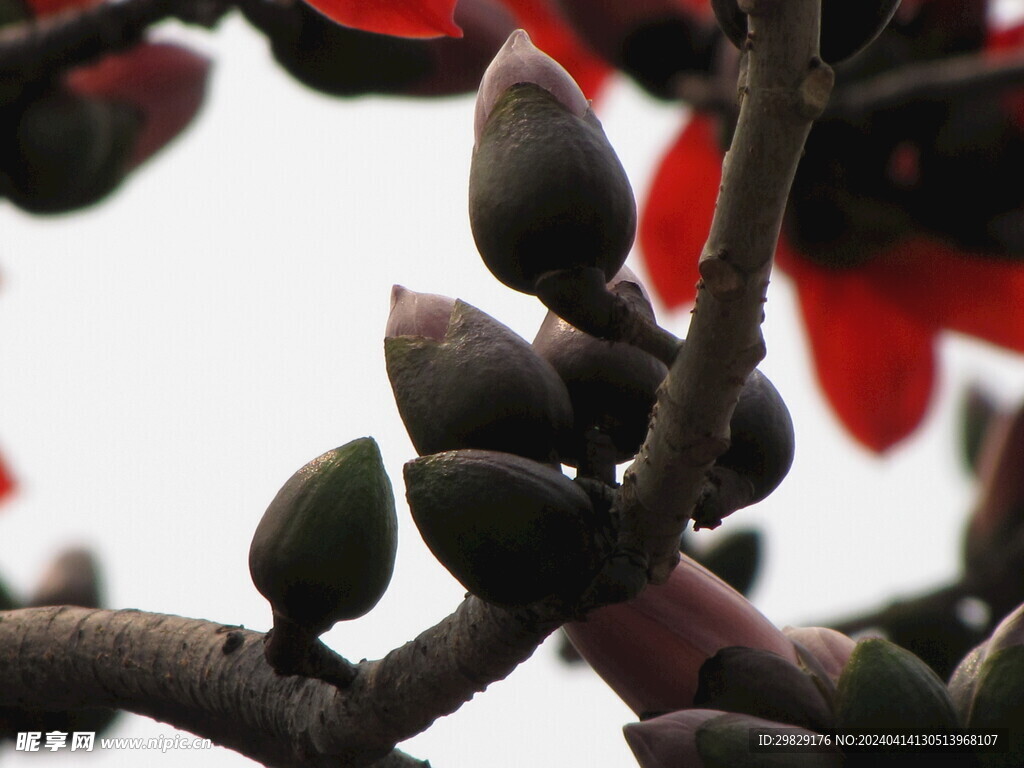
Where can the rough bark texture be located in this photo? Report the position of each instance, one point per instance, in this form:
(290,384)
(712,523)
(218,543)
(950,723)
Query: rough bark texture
(213,680)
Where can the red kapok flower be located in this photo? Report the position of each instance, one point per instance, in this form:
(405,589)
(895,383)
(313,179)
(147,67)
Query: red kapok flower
(402,18)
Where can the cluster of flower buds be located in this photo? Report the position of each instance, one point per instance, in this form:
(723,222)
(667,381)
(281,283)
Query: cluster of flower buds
(702,667)
(74,138)
(324,550)
(492,416)
(345,61)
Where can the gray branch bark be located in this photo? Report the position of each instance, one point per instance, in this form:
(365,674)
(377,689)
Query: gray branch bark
(787,87)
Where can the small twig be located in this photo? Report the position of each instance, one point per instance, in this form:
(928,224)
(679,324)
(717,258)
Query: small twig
(969,75)
(37,49)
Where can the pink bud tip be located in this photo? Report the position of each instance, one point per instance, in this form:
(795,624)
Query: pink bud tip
(519,61)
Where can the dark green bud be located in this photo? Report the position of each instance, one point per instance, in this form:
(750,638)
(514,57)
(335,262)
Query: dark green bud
(546,190)
(612,385)
(480,386)
(69,152)
(512,531)
(325,548)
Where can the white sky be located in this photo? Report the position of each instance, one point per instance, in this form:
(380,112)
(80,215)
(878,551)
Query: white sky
(172,356)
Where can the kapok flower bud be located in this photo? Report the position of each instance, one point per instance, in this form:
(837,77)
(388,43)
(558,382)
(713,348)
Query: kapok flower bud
(479,386)
(830,648)
(418,314)
(884,684)
(963,683)
(511,530)
(69,152)
(756,682)
(651,648)
(699,738)
(325,548)
(546,190)
(612,385)
(72,579)
(760,453)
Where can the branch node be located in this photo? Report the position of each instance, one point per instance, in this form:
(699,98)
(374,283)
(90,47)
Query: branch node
(815,89)
(721,277)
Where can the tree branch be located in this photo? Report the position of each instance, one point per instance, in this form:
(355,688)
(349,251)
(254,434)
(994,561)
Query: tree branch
(213,680)
(39,48)
(969,75)
(787,87)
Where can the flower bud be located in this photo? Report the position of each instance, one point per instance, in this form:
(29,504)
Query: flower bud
(325,548)
(978,412)
(756,682)
(846,28)
(418,314)
(964,681)
(612,385)
(669,740)
(71,579)
(997,704)
(164,84)
(830,648)
(997,518)
(480,386)
(653,41)
(69,152)
(760,453)
(546,190)
(650,649)
(884,685)
(512,531)
(707,738)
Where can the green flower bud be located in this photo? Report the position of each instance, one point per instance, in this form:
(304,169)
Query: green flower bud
(325,548)
(512,531)
(69,152)
(884,686)
(724,742)
(481,386)
(998,703)
(546,190)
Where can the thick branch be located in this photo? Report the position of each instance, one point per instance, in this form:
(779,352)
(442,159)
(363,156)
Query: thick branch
(213,680)
(787,88)
(36,49)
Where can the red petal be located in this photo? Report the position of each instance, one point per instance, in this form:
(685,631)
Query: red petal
(974,294)
(6,480)
(875,362)
(677,216)
(401,18)
(557,39)
(165,82)
(39,8)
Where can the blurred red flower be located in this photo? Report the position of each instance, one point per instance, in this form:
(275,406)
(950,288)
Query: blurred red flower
(903,222)
(401,18)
